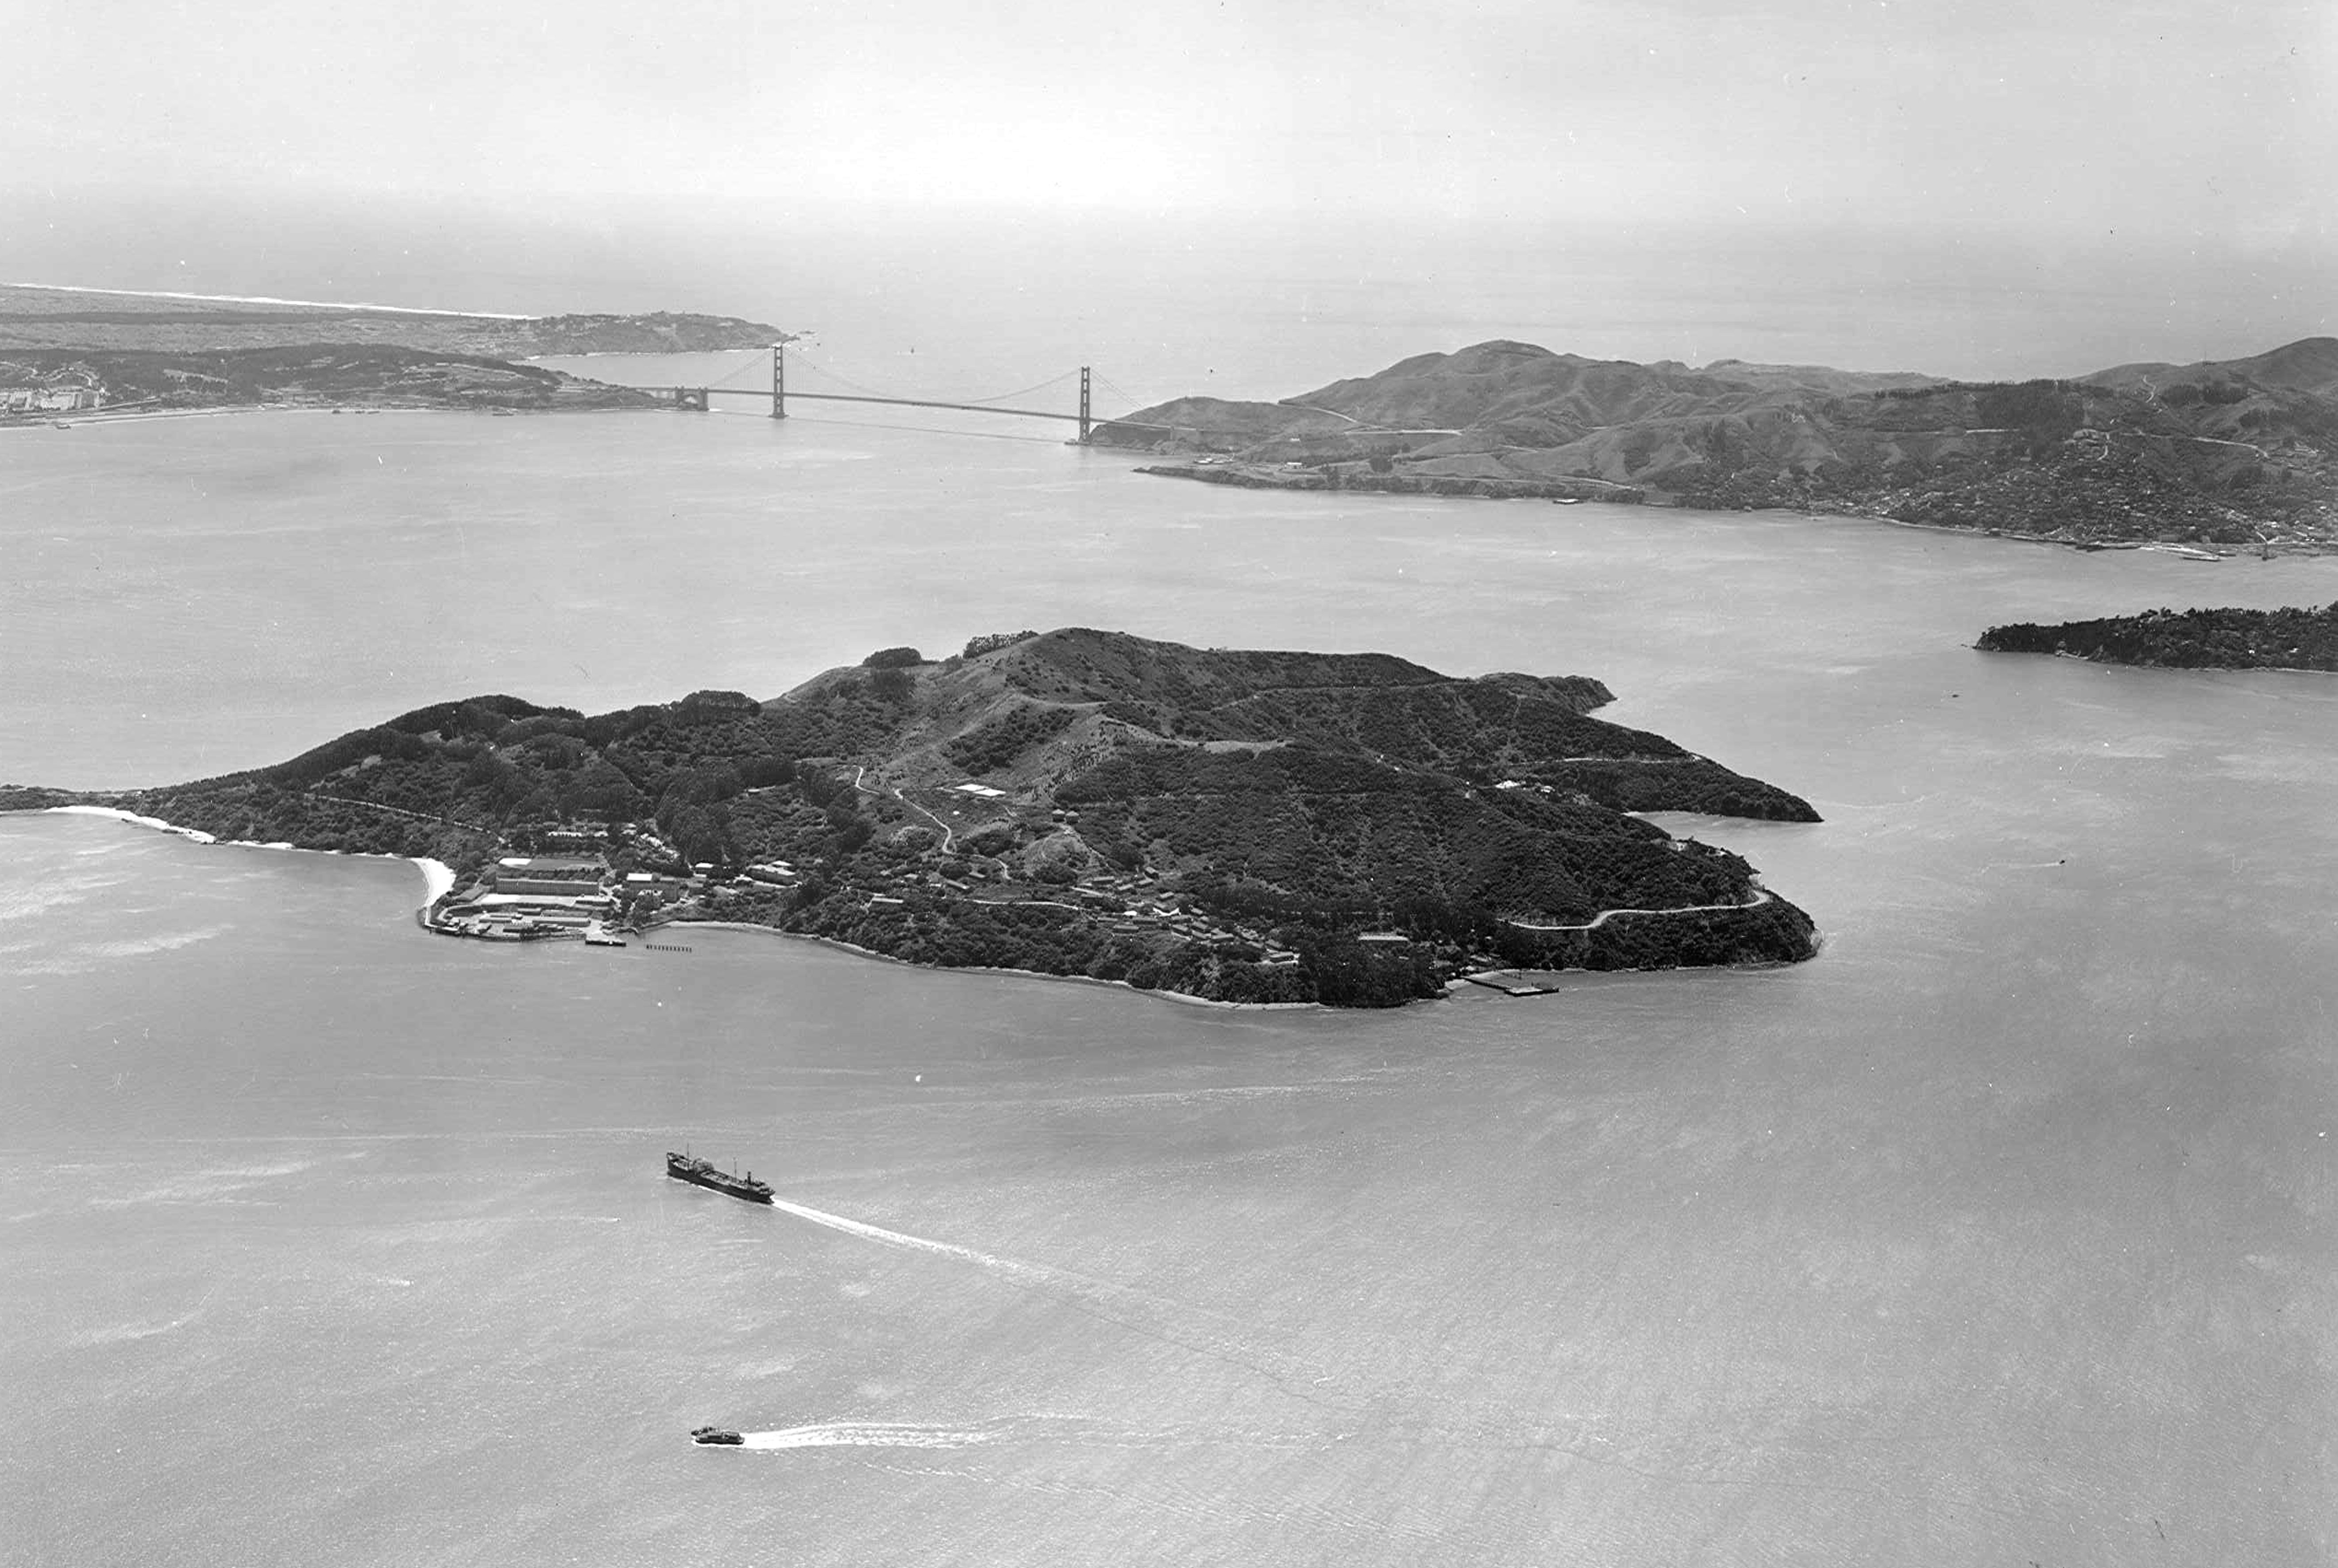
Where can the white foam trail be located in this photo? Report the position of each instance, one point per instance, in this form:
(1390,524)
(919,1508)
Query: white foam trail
(127,1333)
(1179,1323)
(864,1435)
(1007,1266)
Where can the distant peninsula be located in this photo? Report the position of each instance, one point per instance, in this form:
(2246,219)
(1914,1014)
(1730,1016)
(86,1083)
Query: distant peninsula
(36,317)
(2184,639)
(1350,830)
(44,383)
(2225,455)
(82,353)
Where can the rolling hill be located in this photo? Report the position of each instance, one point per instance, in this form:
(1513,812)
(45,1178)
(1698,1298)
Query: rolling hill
(2239,454)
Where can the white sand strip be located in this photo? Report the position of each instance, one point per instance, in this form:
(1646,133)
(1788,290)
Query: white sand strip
(197,834)
(438,877)
(269,299)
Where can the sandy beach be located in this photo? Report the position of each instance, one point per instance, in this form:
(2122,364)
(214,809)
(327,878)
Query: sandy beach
(438,877)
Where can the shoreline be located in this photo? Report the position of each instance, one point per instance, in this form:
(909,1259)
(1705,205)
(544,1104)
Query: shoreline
(438,877)
(2186,549)
(2181,550)
(1180,996)
(271,300)
(228,410)
(2131,664)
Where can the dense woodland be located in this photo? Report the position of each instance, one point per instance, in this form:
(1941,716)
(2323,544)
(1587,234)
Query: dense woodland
(2285,639)
(1279,804)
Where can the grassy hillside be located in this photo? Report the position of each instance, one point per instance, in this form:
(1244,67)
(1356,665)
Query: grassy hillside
(2241,453)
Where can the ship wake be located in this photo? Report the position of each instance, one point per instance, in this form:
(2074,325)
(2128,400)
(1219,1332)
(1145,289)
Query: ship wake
(1194,1328)
(1035,1273)
(866,1435)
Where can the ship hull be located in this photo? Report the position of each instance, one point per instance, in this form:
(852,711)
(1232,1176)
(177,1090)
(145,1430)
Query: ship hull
(698,1174)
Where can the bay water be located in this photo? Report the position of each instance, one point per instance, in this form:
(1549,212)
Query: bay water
(1998,1233)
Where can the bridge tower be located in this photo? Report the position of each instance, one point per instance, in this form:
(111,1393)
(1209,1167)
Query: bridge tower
(1084,405)
(779,381)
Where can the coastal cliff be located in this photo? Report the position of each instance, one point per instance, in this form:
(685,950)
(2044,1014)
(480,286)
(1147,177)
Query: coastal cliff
(1353,830)
(2235,454)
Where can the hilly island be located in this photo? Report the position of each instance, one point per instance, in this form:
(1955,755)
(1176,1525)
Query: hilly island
(1346,828)
(2224,454)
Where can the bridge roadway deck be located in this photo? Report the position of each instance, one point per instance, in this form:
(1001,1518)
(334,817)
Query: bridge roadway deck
(920,403)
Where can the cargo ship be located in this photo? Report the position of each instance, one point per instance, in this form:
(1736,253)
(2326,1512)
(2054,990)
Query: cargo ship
(702,1173)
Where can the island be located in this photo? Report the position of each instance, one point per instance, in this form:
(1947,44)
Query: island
(2222,455)
(2285,639)
(1352,829)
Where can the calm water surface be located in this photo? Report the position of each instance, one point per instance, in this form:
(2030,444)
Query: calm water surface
(2000,1233)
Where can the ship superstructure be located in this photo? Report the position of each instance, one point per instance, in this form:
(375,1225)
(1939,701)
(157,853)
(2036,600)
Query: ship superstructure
(702,1173)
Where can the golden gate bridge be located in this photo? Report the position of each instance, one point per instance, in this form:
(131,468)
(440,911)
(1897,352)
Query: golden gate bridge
(779,397)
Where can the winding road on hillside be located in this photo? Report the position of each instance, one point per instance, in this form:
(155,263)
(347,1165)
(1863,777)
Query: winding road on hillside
(1761,896)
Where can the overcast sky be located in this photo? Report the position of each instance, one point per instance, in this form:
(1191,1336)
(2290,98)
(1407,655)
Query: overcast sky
(2202,128)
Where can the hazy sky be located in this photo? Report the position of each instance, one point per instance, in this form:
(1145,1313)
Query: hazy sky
(2179,136)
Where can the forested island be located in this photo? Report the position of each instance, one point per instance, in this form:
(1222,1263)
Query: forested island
(2184,639)
(2237,455)
(1352,829)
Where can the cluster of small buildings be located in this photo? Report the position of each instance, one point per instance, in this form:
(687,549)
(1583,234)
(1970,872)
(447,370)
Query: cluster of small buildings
(524,897)
(1144,909)
(49,399)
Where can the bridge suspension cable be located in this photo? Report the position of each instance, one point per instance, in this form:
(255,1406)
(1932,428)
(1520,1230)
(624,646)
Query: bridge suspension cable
(1130,400)
(1087,420)
(752,365)
(796,358)
(1026,391)
(811,364)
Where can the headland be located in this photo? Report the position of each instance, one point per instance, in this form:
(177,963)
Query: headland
(69,352)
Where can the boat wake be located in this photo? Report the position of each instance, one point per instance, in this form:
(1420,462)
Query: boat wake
(1198,1329)
(1035,1272)
(866,1435)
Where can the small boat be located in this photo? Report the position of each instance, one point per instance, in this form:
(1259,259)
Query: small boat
(715,1436)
